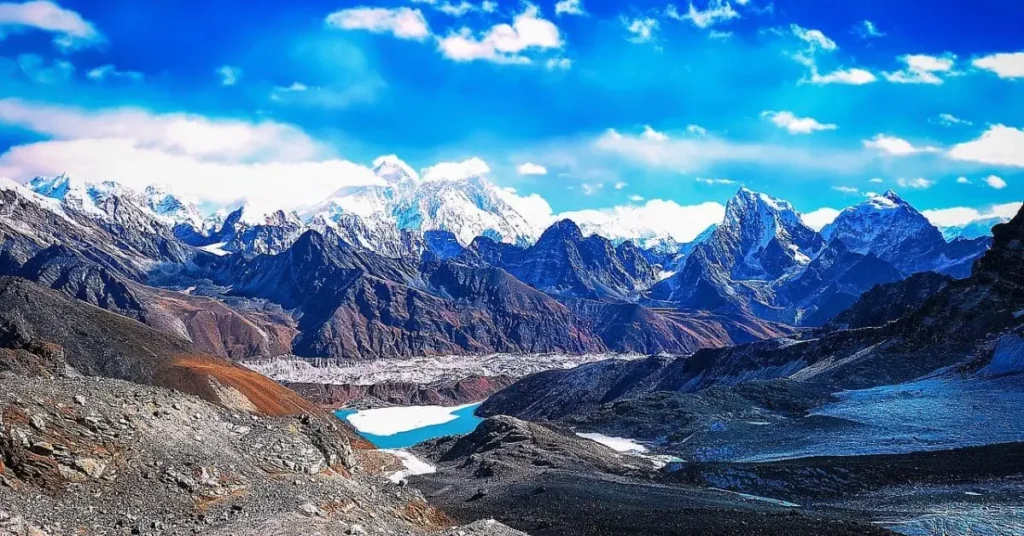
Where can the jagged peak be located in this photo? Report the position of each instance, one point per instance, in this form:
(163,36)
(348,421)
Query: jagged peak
(565,229)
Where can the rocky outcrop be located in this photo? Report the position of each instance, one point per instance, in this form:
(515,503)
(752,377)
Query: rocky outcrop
(889,302)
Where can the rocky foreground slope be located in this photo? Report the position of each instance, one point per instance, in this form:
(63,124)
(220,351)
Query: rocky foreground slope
(108,426)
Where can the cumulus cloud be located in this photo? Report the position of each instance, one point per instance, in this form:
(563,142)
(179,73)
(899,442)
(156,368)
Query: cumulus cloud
(963,180)
(620,185)
(1004,65)
(529,168)
(641,30)
(696,130)
(401,22)
(504,43)
(817,42)
(958,216)
(818,219)
(105,72)
(654,219)
(995,182)
(999,145)
(534,208)
(70,29)
(456,171)
(716,11)
(229,75)
(852,77)
(892,145)
(636,198)
(569,7)
(922,69)
(653,135)
(919,183)
(795,125)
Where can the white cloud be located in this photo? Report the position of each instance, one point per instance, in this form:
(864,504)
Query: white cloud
(1004,65)
(104,72)
(846,189)
(876,180)
(922,69)
(456,171)
(620,185)
(533,207)
(72,31)
(636,198)
(957,216)
(401,22)
(213,160)
(569,7)
(193,135)
(995,182)
(558,64)
(948,120)
(795,125)
(653,219)
(919,183)
(298,93)
(867,29)
(999,145)
(696,130)
(641,30)
(815,39)
(896,146)
(456,10)
(818,219)
(694,154)
(229,75)
(529,168)
(852,77)
(963,180)
(504,43)
(717,11)
(653,135)
(705,180)
(591,188)
(35,68)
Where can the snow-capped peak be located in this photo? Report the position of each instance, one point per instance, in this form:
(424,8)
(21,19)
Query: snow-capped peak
(394,171)
(457,171)
(172,208)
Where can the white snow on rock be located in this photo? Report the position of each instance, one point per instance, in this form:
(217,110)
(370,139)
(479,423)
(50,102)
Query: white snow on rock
(413,465)
(390,421)
(217,249)
(618,444)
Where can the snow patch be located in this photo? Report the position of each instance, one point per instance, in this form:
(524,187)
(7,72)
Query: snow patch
(618,444)
(390,421)
(413,465)
(217,249)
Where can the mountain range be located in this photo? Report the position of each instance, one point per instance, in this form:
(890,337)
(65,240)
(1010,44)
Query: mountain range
(446,265)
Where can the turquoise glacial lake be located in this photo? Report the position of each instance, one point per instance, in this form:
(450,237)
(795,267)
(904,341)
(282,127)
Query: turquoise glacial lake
(464,423)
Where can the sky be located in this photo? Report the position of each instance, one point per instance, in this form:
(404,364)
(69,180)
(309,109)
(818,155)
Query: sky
(647,110)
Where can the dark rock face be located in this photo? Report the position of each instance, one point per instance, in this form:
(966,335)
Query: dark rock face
(565,264)
(890,302)
(958,324)
(763,261)
(442,244)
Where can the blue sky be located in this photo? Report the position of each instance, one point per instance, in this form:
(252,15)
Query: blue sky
(618,103)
